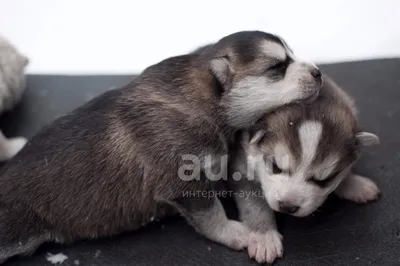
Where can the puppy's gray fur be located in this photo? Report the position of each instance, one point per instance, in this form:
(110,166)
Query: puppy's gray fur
(112,165)
(12,87)
(307,151)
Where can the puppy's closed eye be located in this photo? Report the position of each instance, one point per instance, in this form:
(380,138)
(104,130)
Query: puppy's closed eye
(277,70)
(278,66)
(321,183)
(324,182)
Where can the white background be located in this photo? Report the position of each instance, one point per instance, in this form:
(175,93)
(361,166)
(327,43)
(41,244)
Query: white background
(116,36)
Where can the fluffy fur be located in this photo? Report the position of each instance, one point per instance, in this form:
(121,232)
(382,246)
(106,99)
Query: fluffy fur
(12,87)
(295,157)
(115,163)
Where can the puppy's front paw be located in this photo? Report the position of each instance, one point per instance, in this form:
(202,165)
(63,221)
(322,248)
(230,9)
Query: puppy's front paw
(235,235)
(265,247)
(13,146)
(358,189)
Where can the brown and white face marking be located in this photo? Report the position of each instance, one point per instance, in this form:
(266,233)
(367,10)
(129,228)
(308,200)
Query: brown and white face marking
(306,154)
(259,73)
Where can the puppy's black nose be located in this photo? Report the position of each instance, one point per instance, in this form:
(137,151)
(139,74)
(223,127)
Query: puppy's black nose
(288,208)
(316,73)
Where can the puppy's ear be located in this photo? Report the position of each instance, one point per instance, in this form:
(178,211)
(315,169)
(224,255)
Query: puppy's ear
(257,132)
(252,137)
(367,139)
(257,136)
(250,140)
(222,69)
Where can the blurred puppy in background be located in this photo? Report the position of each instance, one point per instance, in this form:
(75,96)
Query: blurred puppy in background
(12,87)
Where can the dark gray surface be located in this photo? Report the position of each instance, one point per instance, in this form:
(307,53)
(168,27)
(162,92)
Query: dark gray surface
(340,234)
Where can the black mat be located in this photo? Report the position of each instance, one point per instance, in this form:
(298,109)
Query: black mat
(341,234)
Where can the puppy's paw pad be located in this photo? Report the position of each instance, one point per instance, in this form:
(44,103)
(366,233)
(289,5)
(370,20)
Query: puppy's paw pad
(360,190)
(265,247)
(367,191)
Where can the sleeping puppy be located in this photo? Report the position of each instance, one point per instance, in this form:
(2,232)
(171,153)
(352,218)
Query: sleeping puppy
(114,164)
(292,159)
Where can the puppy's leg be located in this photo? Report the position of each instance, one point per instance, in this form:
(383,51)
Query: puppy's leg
(208,217)
(358,189)
(265,242)
(20,233)
(10,147)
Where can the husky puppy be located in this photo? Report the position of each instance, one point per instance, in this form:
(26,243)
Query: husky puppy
(292,159)
(12,87)
(116,162)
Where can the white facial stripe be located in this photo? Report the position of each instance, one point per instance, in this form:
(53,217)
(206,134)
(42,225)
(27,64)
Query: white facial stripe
(282,156)
(272,49)
(284,44)
(293,57)
(289,52)
(309,135)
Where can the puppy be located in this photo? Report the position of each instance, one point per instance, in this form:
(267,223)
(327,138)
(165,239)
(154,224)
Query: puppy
(12,87)
(118,162)
(292,159)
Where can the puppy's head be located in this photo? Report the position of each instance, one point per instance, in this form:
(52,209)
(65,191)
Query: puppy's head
(306,152)
(259,72)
